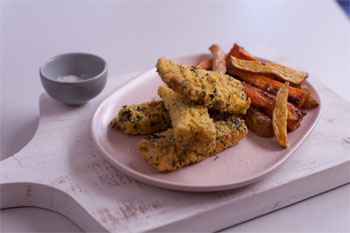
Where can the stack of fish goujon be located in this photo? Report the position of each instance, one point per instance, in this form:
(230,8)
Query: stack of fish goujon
(199,116)
(202,107)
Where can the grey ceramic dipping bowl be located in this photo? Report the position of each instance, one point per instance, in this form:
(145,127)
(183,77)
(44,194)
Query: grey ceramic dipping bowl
(74,78)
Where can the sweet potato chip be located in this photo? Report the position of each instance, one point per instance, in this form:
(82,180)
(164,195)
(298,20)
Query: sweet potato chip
(295,95)
(240,53)
(286,74)
(206,64)
(280,114)
(265,102)
(310,100)
(219,59)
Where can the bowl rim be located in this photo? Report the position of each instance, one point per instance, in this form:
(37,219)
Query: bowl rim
(99,75)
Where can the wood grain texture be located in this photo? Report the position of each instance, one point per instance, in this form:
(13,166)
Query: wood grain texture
(60,170)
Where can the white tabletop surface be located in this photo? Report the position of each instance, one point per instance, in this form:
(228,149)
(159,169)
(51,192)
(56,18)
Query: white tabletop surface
(313,34)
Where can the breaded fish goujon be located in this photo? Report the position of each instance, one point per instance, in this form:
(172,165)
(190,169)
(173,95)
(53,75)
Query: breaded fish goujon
(193,128)
(145,118)
(216,91)
(160,150)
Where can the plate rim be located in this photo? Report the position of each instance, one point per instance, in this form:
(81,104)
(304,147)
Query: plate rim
(184,187)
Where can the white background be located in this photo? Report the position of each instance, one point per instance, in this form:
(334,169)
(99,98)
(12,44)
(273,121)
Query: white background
(313,34)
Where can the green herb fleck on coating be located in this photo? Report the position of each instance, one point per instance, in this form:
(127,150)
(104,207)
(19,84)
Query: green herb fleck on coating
(138,117)
(237,124)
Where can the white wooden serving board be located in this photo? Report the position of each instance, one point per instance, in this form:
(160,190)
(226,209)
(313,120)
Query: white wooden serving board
(61,171)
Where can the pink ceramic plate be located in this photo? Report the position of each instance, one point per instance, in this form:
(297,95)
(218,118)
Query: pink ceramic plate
(250,160)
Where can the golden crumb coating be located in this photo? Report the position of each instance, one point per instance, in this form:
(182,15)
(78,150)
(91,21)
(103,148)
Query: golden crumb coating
(214,90)
(193,128)
(229,131)
(148,118)
(145,118)
(160,149)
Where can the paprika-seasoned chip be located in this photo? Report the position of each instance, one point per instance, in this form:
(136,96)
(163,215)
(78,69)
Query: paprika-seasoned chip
(279,116)
(287,74)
